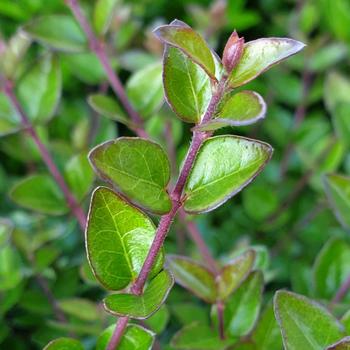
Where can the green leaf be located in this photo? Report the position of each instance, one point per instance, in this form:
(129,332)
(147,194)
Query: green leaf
(139,168)
(145,89)
(336,90)
(108,107)
(103,15)
(10,121)
(135,337)
(64,344)
(234,273)
(259,55)
(338,193)
(237,109)
(223,167)
(159,320)
(304,323)
(242,309)
(199,337)
(144,305)
(10,268)
(266,334)
(39,193)
(341,122)
(79,175)
(59,32)
(189,42)
(331,268)
(186,85)
(193,276)
(6,228)
(118,238)
(81,308)
(39,90)
(343,344)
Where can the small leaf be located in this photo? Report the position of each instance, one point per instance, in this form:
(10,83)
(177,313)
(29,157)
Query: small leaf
(187,87)
(118,238)
(199,337)
(341,122)
(232,52)
(223,167)
(145,89)
(242,309)
(159,320)
(336,90)
(242,108)
(259,55)
(338,193)
(304,323)
(103,15)
(11,273)
(64,344)
(234,273)
(109,108)
(141,306)
(194,277)
(189,42)
(135,337)
(343,344)
(81,308)
(139,168)
(58,32)
(39,193)
(331,268)
(6,228)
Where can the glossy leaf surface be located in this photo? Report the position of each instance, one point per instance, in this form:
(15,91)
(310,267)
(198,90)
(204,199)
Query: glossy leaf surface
(224,165)
(118,238)
(64,344)
(144,305)
(186,85)
(139,168)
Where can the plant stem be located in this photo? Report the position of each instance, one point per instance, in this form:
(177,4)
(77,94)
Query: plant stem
(118,333)
(342,291)
(220,307)
(76,209)
(99,49)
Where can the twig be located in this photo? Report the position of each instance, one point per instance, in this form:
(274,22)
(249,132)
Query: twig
(46,156)
(118,333)
(220,308)
(99,49)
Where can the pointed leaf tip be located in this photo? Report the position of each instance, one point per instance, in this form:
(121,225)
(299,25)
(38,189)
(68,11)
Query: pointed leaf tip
(233,51)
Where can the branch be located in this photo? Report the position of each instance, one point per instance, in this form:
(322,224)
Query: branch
(76,209)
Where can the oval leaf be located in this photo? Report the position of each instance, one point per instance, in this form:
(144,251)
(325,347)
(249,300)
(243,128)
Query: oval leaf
(223,167)
(139,168)
(194,277)
(141,306)
(135,337)
(259,55)
(64,344)
(304,323)
(189,42)
(103,14)
(239,109)
(83,309)
(187,87)
(118,237)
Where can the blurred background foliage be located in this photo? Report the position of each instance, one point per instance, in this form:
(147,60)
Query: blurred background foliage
(285,214)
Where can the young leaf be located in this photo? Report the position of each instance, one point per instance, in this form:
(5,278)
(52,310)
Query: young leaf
(242,309)
(187,87)
(331,268)
(338,193)
(39,193)
(194,277)
(234,273)
(139,168)
(103,14)
(39,90)
(189,42)
(343,344)
(145,89)
(135,337)
(259,55)
(118,237)
(199,337)
(304,323)
(144,305)
(232,52)
(58,32)
(238,109)
(64,344)
(223,167)
(108,107)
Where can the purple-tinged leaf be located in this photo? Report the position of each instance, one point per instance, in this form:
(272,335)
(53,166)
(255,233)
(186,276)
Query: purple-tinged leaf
(233,51)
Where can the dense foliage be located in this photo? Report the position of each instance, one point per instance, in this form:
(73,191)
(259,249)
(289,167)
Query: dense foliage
(93,114)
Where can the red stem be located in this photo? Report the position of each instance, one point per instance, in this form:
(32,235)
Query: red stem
(220,307)
(71,201)
(99,49)
(342,291)
(118,333)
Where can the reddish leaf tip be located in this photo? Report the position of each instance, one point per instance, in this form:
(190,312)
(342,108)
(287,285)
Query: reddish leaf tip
(233,51)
